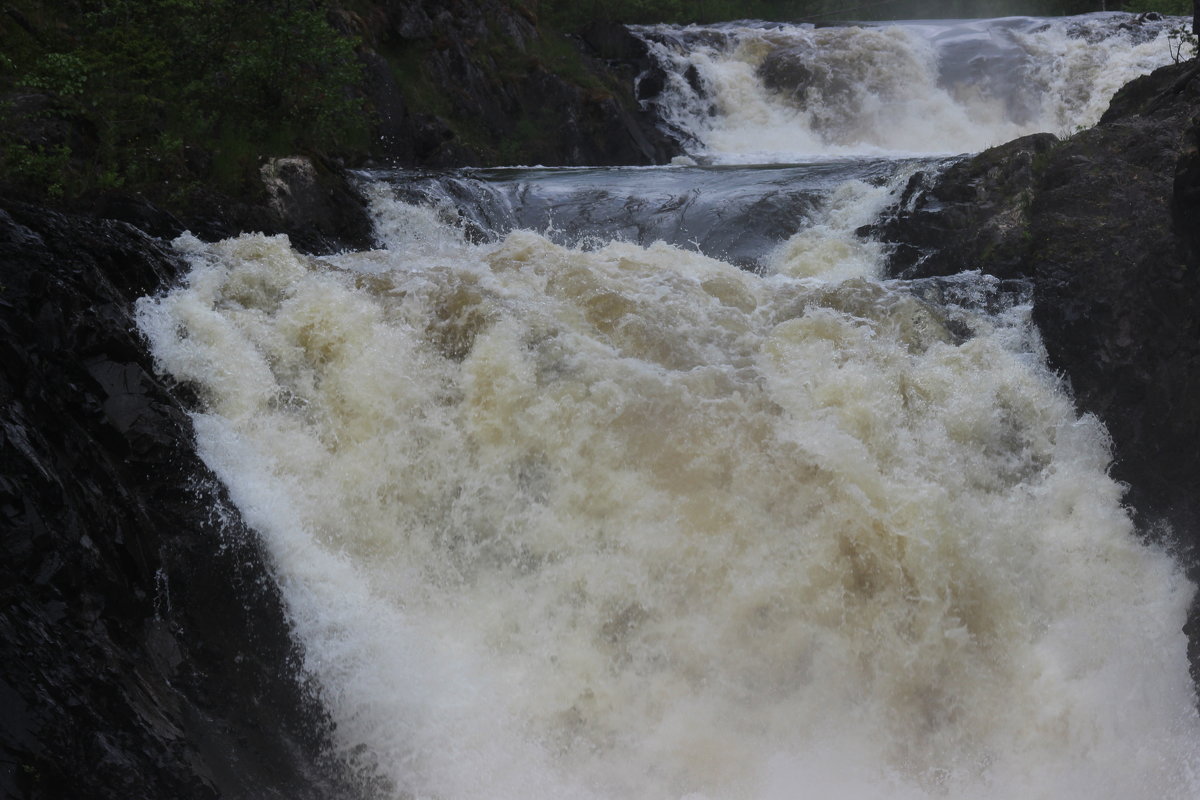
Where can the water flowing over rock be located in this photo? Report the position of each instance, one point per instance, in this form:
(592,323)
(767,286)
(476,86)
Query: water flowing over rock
(143,649)
(761,92)
(637,482)
(737,216)
(1104,224)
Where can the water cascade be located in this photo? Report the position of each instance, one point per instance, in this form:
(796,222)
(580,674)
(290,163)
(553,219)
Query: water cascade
(768,92)
(603,517)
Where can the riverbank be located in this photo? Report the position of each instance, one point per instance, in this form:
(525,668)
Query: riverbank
(144,651)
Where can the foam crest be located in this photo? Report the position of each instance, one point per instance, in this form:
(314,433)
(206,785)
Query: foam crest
(633,523)
(760,93)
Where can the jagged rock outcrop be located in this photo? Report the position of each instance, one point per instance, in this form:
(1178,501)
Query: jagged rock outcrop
(627,57)
(472,83)
(144,651)
(988,196)
(1105,225)
(311,200)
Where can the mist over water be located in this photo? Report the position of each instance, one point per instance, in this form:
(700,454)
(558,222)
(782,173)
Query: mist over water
(584,517)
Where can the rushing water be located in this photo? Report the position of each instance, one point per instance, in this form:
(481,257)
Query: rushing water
(738,214)
(764,92)
(591,512)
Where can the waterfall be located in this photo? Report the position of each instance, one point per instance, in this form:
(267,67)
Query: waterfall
(613,518)
(770,92)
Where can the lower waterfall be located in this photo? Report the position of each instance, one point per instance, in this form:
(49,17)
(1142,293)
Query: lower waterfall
(601,516)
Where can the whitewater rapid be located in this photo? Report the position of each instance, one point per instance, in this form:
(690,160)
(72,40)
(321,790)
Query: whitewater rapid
(601,520)
(771,92)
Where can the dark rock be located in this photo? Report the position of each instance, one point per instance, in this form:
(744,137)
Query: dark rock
(391,111)
(1155,95)
(796,73)
(139,212)
(432,142)
(614,42)
(44,123)
(518,29)
(974,215)
(309,198)
(1104,224)
(1185,195)
(505,93)
(651,83)
(144,651)
(314,205)
(411,22)
(788,70)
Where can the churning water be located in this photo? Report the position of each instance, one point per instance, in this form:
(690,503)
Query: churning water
(574,514)
(748,93)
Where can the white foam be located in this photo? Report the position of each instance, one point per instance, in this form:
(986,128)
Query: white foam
(906,88)
(632,523)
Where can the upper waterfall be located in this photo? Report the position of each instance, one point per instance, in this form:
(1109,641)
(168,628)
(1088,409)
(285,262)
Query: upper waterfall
(755,92)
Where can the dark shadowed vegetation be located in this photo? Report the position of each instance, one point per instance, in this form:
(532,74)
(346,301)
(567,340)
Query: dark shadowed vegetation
(109,94)
(572,12)
(170,99)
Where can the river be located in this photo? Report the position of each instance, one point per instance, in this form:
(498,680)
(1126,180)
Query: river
(643,483)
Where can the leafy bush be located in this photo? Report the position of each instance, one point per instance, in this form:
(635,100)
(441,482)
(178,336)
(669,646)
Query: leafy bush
(1175,8)
(57,73)
(171,90)
(38,165)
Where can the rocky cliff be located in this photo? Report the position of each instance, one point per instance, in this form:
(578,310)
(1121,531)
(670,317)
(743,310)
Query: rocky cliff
(419,82)
(1105,224)
(482,83)
(144,652)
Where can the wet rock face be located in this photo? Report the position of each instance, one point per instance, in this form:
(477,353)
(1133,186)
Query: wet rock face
(506,93)
(976,213)
(143,647)
(310,199)
(1185,197)
(1106,226)
(794,72)
(315,205)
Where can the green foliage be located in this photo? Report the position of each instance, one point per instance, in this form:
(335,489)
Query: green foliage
(57,73)
(1183,42)
(1175,8)
(37,167)
(574,14)
(181,90)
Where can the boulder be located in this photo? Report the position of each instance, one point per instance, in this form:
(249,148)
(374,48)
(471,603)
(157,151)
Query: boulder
(975,212)
(614,42)
(315,205)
